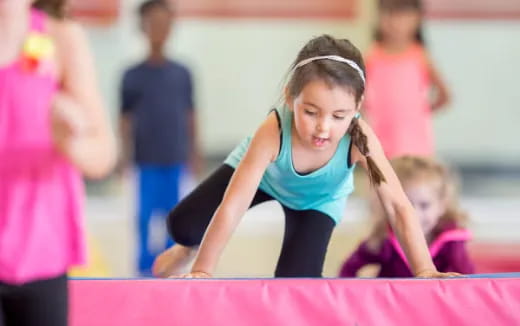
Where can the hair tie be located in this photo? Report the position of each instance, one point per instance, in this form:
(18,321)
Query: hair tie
(337,58)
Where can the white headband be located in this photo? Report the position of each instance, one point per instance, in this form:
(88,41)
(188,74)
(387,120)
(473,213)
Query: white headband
(331,57)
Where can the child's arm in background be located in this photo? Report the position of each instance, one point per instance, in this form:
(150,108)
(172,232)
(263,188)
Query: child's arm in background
(125,143)
(128,96)
(398,209)
(196,161)
(367,253)
(458,259)
(80,124)
(442,94)
(239,194)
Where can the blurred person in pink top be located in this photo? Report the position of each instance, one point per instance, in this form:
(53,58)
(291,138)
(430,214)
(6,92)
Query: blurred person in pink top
(53,130)
(403,86)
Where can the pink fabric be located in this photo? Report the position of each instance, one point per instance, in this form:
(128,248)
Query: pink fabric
(436,245)
(397,104)
(41,194)
(295,302)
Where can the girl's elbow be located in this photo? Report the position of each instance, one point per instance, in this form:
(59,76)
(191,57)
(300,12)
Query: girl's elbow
(103,164)
(100,169)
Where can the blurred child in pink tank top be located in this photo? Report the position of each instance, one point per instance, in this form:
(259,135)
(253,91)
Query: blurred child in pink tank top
(53,129)
(400,80)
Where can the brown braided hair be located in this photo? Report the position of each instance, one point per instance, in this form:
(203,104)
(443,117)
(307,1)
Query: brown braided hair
(335,74)
(360,140)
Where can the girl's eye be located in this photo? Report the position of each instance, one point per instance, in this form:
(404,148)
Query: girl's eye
(310,112)
(337,117)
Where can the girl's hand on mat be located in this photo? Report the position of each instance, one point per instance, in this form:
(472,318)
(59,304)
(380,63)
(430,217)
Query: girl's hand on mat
(195,275)
(436,274)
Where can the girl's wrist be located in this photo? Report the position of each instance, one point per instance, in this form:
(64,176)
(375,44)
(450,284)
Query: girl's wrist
(199,267)
(208,275)
(426,269)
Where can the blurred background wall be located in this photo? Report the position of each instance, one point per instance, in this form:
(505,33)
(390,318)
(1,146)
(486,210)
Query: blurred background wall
(239,65)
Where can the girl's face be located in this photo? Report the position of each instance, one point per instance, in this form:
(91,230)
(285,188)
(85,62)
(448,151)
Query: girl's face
(399,26)
(425,196)
(322,114)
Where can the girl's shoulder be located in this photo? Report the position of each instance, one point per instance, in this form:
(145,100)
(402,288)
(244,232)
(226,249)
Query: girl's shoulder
(70,42)
(420,53)
(449,238)
(65,31)
(268,135)
(374,52)
(414,51)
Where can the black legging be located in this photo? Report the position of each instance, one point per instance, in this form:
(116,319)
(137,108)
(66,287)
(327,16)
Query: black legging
(42,303)
(307,232)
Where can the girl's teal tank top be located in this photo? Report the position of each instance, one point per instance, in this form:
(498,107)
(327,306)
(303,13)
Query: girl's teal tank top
(325,189)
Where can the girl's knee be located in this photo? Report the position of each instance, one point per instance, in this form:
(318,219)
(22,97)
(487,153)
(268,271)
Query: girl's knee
(182,229)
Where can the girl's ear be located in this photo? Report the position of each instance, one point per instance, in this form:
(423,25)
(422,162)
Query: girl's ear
(360,104)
